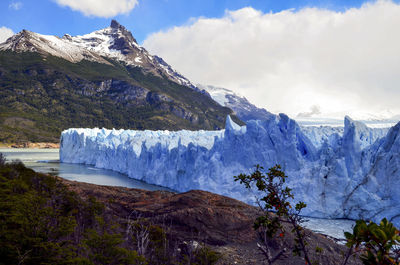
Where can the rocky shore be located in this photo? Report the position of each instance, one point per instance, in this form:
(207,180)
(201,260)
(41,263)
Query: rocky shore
(225,224)
(43,145)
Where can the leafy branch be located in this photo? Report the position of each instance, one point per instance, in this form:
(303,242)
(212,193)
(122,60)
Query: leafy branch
(277,209)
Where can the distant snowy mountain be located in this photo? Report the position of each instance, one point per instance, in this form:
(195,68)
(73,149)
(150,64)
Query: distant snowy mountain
(353,172)
(239,104)
(114,42)
(375,120)
(247,111)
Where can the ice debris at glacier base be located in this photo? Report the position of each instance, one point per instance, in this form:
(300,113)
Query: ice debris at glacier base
(351,172)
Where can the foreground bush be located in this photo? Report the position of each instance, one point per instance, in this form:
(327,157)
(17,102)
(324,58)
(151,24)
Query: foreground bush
(374,244)
(42,222)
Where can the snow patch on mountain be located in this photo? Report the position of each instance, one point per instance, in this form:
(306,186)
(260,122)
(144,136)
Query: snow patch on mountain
(98,41)
(27,41)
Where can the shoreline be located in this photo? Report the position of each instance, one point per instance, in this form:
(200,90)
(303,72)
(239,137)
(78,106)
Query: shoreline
(29,145)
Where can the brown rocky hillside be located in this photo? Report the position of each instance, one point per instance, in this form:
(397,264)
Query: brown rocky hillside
(223,223)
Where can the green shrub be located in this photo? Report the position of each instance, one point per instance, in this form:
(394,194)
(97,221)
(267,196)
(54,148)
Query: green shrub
(375,244)
(42,222)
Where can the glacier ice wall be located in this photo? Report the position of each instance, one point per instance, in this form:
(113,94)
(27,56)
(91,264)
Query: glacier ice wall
(350,172)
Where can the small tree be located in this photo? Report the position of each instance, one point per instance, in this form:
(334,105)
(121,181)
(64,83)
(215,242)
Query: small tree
(2,159)
(277,200)
(105,247)
(375,244)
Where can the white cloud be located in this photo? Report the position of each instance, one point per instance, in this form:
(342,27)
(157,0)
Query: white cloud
(344,62)
(5,33)
(314,110)
(15,5)
(100,8)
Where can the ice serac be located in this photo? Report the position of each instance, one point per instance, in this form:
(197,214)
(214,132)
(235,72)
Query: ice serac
(351,172)
(382,179)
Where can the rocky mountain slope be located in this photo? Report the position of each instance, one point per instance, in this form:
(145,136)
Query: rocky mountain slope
(103,79)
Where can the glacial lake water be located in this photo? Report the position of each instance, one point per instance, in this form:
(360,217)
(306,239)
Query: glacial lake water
(48,161)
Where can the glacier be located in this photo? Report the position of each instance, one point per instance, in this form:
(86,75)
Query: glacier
(348,172)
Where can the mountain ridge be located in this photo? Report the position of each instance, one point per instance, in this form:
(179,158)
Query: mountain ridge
(49,84)
(114,42)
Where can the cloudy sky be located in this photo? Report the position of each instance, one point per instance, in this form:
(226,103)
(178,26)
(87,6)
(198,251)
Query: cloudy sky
(306,58)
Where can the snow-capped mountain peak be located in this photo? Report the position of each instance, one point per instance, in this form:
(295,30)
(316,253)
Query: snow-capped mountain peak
(121,29)
(118,43)
(114,42)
